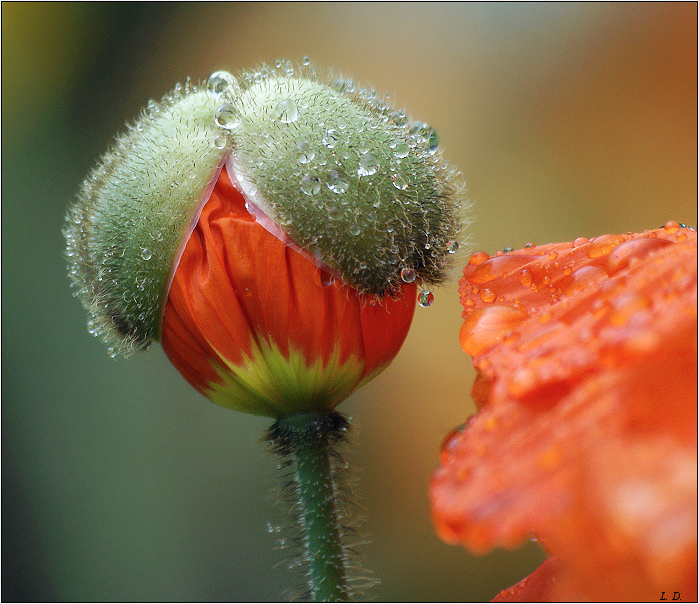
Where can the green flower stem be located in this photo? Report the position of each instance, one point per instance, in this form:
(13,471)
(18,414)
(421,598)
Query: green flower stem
(307,440)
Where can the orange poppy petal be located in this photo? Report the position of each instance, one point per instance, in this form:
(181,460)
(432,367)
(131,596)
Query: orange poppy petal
(537,587)
(249,318)
(586,436)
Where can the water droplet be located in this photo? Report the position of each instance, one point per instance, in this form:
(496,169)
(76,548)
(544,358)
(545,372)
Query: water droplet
(478,258)
(487,326)
(580,241)
(408,274)
(337,181)
(401,150)
(488,295)
(152,109)
(425,298)
(452,246)
(671,227)
(400,181)
(219,142)
(331,138)
(496,267)
(583,277)
(599,246)
(526,277)
(305,153)
(310,185)
(220,81)
(355,230)
(146,254)
(305,60)
(368,164)
(286,111)
(227,116)
(633,250)
(425,135)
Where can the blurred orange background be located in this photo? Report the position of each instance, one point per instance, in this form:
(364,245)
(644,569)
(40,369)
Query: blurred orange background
(120,481)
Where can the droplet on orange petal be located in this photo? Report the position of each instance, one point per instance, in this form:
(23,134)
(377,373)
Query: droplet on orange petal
(496,267)
(602,245)
(478,258)
(630,250)
(525,277)
(580,278)
(671,227)
(485,327)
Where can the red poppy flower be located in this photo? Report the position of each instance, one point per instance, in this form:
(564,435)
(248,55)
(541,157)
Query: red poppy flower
(256,325)
(586,435)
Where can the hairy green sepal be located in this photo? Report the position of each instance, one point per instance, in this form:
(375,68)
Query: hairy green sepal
(349,179)
(134,211)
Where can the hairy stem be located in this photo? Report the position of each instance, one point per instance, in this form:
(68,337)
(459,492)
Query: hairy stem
(307,441)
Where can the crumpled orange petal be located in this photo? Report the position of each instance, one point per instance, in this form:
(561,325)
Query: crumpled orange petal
(242,296)
(586,435)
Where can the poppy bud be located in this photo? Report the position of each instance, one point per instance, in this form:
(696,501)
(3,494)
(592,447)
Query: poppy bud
(268,216)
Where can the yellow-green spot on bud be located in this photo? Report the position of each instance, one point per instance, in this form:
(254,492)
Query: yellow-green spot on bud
(332,167)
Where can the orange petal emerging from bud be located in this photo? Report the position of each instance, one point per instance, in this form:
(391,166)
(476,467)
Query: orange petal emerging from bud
(587,431)
(257,326)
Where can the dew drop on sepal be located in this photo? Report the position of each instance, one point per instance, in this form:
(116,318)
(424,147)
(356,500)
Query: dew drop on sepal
(227,116)
(220,82)
(407,274)
(337,181)
(286,111)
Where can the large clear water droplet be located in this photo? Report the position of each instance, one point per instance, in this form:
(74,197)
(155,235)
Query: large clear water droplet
(407,274)
(337,181)
(220,82)
(368,164)
(426,136)
(401,150)
(146,254)
(227,116)
(425,298)
(452,246)
(310,185)
(304,152)
(286,111)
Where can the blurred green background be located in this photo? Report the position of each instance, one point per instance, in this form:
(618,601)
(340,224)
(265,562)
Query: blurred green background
(120,482)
